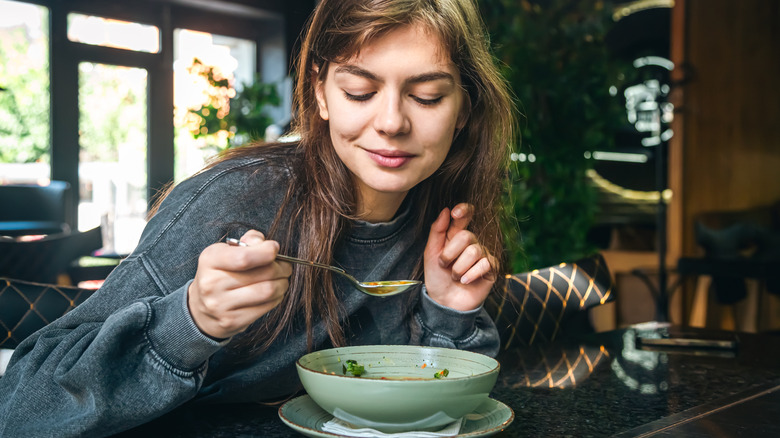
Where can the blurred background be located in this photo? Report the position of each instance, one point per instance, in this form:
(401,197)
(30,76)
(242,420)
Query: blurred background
(647,126)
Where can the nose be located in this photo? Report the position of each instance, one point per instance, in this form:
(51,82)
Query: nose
(391,118)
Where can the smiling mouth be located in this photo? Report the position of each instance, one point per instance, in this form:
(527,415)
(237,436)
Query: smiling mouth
(390,158)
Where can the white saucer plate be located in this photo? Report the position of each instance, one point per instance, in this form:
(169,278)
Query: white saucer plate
(306,417)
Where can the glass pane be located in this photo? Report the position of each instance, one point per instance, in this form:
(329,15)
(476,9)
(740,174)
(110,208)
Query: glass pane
(24,93)
(99,31)
(112,161)
(195,55)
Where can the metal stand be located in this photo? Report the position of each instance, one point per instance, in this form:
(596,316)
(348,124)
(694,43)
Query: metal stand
(662,302)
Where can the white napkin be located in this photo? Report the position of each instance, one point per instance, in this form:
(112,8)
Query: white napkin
(340,427)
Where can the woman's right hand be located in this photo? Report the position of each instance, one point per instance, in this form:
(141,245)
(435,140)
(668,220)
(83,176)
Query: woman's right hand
(236,285)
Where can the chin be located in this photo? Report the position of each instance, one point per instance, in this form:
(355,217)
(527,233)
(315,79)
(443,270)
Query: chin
(392,188)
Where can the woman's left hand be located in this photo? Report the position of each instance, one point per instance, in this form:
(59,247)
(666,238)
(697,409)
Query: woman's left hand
(459,271)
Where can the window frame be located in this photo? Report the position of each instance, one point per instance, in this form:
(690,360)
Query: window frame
(258,22)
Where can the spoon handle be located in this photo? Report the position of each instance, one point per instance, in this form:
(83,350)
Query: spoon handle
(309,263)
(377,289)
(236,242)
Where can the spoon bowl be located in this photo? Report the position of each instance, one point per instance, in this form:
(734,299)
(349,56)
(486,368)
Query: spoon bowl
(384,288)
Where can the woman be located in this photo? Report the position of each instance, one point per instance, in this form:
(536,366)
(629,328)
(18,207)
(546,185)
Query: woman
(404,123)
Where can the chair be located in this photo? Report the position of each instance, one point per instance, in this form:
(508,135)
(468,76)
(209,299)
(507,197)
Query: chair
(27,306)
(43,260)
(735,246)
(34,209)
(537,306)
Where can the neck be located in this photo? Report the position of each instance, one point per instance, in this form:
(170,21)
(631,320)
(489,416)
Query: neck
(379,207)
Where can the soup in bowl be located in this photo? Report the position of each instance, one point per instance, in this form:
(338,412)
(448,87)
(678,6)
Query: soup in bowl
(397,388)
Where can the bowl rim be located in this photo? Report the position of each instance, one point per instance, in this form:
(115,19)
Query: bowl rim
(494,369)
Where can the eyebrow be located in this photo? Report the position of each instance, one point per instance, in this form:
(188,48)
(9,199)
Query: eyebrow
(423,77)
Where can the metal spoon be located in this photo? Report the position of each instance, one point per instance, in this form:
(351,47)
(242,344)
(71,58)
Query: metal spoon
(375,288)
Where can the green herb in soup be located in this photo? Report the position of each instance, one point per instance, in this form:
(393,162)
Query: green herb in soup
(440,374)
(352,367)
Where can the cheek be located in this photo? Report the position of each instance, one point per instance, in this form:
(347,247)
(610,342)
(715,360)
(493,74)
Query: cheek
(439,134)
(346,123)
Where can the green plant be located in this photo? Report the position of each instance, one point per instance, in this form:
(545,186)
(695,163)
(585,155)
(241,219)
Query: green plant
(231,118)
(560,70)
(24,98)
(112,112)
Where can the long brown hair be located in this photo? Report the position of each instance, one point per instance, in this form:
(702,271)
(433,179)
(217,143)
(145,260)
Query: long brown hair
(322,198)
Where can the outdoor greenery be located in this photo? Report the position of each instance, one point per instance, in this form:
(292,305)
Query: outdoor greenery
(24,100)
(112,112)
(233,115)
(555,58)
(24,103)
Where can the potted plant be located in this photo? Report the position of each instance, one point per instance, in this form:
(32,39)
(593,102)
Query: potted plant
(233,115)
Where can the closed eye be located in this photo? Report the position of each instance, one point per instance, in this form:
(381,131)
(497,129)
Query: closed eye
(426,102)
(359,97)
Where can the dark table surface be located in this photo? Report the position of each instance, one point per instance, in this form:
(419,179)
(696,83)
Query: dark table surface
(600,385)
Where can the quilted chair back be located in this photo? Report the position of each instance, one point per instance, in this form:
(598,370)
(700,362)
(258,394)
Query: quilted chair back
(26,307)
(537,306)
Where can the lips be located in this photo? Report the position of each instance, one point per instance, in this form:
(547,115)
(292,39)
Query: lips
(390,158)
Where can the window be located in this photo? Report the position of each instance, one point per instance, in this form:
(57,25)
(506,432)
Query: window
(196,54)
(112,158)
(99,31)
(110,70)
(24,99)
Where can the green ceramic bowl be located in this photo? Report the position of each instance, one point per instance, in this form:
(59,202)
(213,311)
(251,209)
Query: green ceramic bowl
(398,391)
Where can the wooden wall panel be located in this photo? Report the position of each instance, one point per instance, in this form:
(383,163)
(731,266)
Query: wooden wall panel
(728,150)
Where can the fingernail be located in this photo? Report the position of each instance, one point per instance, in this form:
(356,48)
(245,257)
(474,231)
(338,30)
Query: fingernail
(457,213)
(464,280)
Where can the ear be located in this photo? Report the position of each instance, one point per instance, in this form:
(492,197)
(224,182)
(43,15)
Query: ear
(319,92)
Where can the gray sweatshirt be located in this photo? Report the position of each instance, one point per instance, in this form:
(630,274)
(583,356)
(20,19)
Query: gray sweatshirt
(132,352)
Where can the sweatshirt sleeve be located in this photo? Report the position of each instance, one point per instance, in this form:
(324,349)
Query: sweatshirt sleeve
(131,352)
(105,367)
(439,326)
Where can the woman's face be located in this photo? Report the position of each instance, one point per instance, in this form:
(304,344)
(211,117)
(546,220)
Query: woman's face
(392,111)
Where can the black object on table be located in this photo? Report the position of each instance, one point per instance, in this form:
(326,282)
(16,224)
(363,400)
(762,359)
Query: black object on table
(603,385)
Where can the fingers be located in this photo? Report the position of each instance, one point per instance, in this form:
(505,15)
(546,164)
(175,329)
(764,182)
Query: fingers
(437,237)
(456,246)
(482,268)
(235,280)
(224,315)
(468,260)
(460,250)
(258,252)
(266,293)
(235,285)
(253,237)
(461,217)
(448,224)
(459,238)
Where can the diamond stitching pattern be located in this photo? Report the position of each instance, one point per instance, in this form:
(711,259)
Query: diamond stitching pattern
(532,307)
(26,307)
